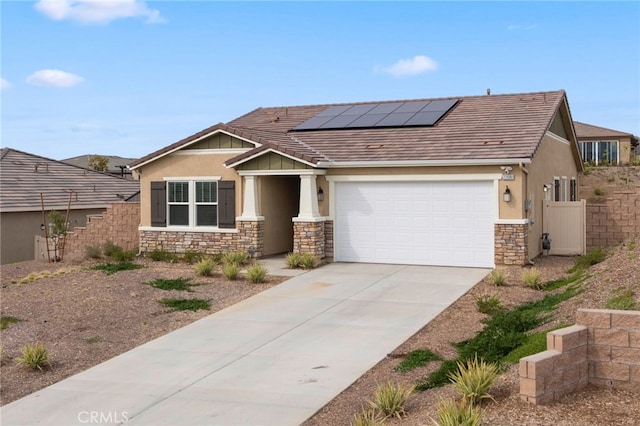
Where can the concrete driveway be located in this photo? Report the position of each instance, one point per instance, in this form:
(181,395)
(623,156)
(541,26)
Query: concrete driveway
(273,359)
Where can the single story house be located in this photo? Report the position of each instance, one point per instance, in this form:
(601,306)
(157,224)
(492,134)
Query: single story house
(24,177)
(456,181)
(602,146)
(116,166)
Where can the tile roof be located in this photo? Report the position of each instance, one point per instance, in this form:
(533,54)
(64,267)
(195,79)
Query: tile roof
(113,163)
(584,130)
(24,176)
(495,127)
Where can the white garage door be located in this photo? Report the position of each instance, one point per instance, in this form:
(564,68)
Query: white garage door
(420,223)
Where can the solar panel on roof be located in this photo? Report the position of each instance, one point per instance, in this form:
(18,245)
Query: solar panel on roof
(388,114)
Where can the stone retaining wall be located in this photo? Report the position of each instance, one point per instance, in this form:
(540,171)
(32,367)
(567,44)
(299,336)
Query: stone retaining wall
(603,349)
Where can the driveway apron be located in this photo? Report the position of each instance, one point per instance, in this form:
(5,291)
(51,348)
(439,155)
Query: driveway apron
(273,359)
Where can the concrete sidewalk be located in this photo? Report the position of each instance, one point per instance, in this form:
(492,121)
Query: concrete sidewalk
(273,359)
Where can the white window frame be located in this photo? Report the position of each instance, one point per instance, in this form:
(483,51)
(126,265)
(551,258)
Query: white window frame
(192,204)
(178,203)
(596,151)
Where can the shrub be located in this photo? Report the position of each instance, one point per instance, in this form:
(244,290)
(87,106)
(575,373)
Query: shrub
(294,260)
(474,379)
(6,320)
(111,268)
(231,271)
(390,399)
(93,252)
(185,304)
(598,192)
(179,284)
(368,417)
(489,305)
(124,255)
(110,248)
(498,277)
(308,261)
(235,257)
(191,257)
(257,273)
(452,413)
(159,255)
(593,257)
(205,267)
(531,277)
(623,301)
(34,356)
(416,359)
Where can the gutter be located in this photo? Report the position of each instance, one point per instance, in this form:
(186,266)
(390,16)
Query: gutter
(418,163)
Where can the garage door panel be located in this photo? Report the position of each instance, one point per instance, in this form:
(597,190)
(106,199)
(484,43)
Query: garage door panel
(427,223)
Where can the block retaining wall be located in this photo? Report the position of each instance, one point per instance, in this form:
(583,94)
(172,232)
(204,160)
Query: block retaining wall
(119,224)
(615,220)
(603,349)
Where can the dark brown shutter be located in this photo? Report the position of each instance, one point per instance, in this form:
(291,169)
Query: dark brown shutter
(226,204)
(158,204)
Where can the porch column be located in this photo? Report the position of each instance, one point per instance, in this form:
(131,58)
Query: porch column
(308,198)
(250,200)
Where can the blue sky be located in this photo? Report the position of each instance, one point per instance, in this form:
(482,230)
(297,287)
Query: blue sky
(126,77)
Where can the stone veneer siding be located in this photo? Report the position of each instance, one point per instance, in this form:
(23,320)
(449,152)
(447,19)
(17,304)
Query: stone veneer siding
(328,239)
(511,244)
(309,238)
(248,234)
(603,349)
(118,224)
(614,220)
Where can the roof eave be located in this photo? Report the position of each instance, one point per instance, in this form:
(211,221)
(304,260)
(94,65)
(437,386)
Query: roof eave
(422,163)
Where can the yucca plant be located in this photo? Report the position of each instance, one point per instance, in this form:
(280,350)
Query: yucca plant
(231,271)
(474,379)
(531,277)
(205,267)
(257,273)
(308,261)
(453,413)
(294,260)
(390,399)
(237,257)
(34,356)
(498,277)
(368,417)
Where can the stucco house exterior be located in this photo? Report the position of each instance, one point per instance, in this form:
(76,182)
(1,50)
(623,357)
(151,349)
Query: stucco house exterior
(450,181)
(602,146)
(24,176)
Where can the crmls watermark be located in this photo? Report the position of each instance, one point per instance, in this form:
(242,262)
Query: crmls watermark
(103,417)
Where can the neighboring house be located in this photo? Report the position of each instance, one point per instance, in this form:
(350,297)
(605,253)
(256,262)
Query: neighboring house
(602,146)
(117,166)
(24,177)
(449,181)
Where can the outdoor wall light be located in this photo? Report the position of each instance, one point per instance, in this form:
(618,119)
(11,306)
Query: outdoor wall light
(320,194)
(546,187)
(507,195)
(42,226)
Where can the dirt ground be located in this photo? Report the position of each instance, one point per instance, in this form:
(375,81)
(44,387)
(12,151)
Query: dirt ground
(85,317)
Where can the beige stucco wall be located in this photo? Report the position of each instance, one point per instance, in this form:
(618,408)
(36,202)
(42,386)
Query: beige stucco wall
(178,165)
(553,159)
(18,231)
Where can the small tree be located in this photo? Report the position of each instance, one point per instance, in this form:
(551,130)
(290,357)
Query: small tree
(57,229)
(99,163)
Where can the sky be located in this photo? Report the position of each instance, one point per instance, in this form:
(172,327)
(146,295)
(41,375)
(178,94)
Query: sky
(128,77)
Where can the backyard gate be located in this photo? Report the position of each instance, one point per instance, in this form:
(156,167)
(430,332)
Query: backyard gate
(565,221)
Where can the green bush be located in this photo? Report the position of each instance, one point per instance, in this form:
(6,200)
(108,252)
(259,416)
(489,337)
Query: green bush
(623,301)
(390,399)
(489,305)
(369,417)
(186,304)
(93,252)
(257,273)
(124,255)
(111,268)
(498,277)
(235,257)
(34,356)
(6,320)
(473,379)
(531,277)
(593,257)
(191,257)
(415,359)
(205,267)
(452,413)
(109,248)
(178,284)
(231,271)
(159,255)
(308,261)
(294,260)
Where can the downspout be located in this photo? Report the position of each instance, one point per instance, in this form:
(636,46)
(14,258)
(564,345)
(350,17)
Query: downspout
(525,174)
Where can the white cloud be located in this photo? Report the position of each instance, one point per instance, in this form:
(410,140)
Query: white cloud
(522,27)
(416,65)
(97,11)
(4,84)
(54,78)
